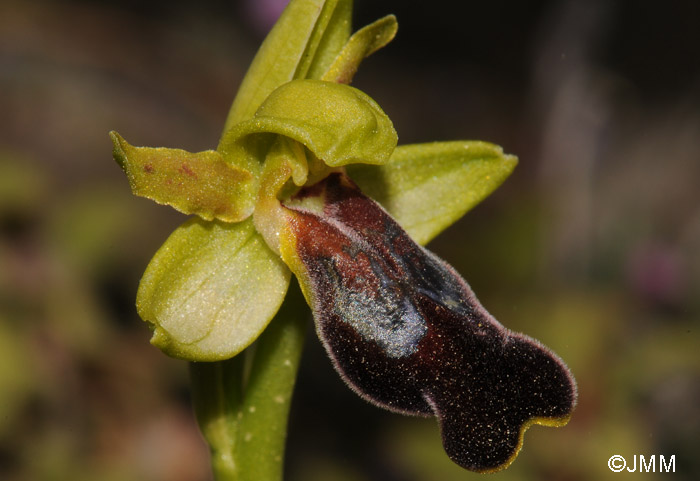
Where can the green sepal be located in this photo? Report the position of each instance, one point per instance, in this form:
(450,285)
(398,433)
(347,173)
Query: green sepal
(335,36)
(330,33)
(211,289)
(361,45)
(337,123)
(427,187)
(199,183)
(307,32)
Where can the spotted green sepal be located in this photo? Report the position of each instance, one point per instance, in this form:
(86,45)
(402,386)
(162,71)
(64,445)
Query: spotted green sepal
(211,289)
(199,183)
(337,123)
(428,187)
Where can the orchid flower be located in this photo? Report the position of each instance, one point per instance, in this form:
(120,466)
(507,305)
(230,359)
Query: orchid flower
(307,179)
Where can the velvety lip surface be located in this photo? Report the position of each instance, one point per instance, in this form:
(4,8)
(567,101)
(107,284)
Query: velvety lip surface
(406,332)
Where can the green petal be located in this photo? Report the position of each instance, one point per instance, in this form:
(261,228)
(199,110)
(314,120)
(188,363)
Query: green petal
(427,187)
(211,289)
(362,44)
(199,183)
(290,49)
(338,123)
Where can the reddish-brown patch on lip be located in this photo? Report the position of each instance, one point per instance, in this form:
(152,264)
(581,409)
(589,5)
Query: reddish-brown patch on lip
(406,332)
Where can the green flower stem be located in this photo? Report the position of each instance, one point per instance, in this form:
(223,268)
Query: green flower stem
(242,404)
(216,393)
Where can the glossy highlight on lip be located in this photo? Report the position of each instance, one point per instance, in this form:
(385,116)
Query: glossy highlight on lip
(406,332)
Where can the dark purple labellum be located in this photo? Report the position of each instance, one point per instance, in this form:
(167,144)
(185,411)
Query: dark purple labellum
(407,333)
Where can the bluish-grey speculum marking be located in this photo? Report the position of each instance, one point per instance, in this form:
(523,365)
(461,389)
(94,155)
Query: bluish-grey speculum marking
(389,320)
(406,332)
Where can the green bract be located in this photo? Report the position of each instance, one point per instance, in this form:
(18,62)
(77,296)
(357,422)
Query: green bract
(215,284)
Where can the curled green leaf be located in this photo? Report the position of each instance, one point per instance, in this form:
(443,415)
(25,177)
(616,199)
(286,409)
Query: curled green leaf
(211,289)
(199,183)
(427,187)
(361,45)
(338,123)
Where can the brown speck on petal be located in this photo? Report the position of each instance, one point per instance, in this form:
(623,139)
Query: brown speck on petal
(185,169)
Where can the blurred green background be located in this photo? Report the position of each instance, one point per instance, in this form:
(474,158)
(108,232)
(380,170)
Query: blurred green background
(592,245)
